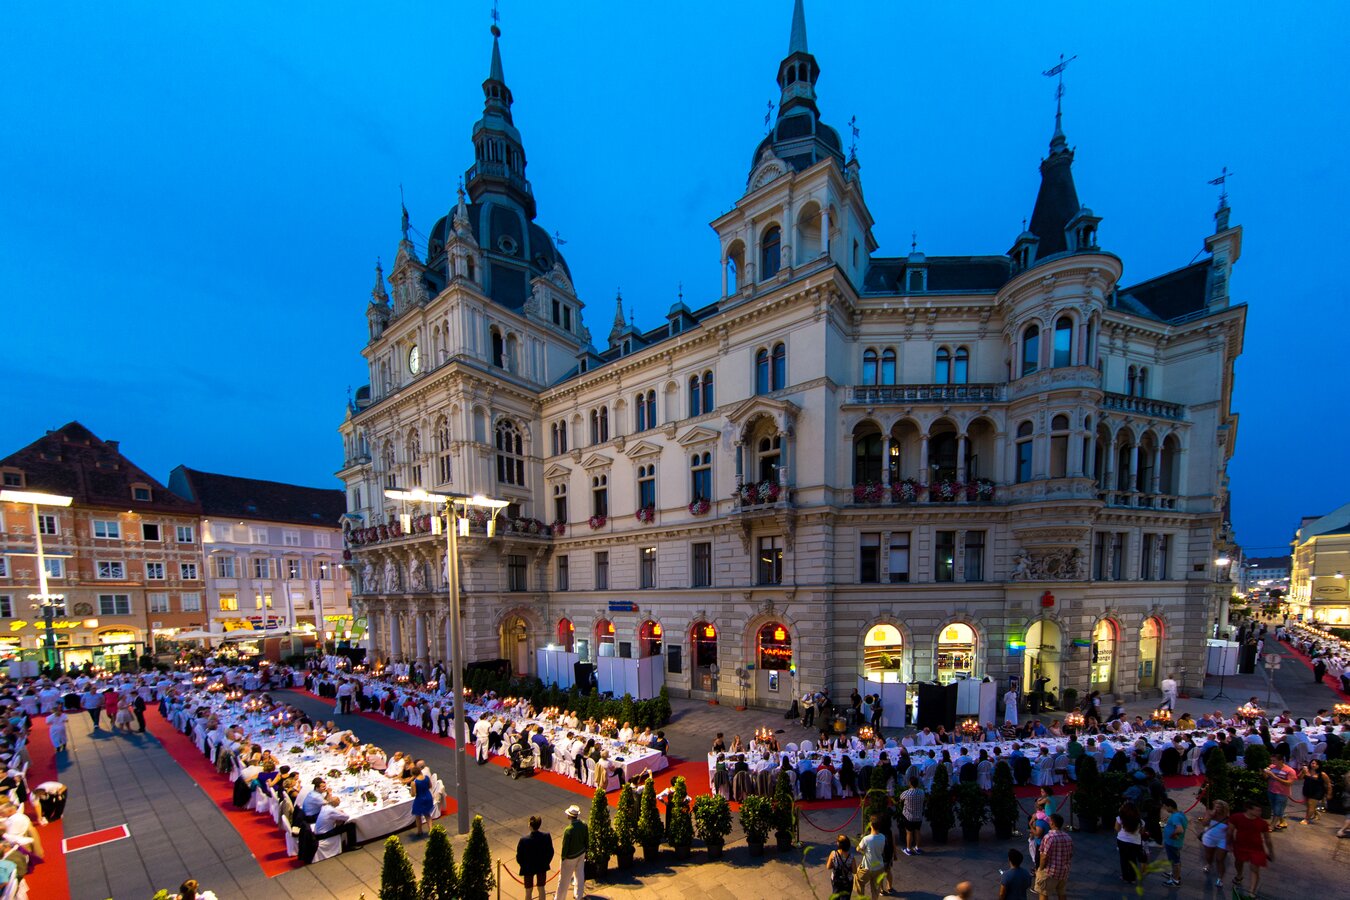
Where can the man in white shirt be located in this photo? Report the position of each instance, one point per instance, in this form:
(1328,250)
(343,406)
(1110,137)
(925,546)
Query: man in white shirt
(481,729)
(1169,689)
(334,822)
(1010,707)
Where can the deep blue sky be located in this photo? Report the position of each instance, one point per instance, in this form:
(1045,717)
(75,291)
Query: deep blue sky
(194,194)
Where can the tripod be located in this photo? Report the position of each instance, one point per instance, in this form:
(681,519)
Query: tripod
(1223,672)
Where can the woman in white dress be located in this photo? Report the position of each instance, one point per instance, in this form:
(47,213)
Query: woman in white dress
(56,725)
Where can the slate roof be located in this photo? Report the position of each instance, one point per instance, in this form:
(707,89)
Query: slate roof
(229,496)
(75,462)
(973,274)
(1056,203)
(1169,296)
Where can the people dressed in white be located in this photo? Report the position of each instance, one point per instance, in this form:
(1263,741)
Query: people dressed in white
(1010,707)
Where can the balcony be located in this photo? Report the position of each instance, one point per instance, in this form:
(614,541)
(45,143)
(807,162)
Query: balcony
(1144,406)
(498,170)
(756,496)
(909,491)
(1138,500)
(881,394)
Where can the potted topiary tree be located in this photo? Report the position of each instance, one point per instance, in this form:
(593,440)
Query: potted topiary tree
(1086,799)
(439,879)
(397,879)
(649,828)
(1003,801)
(1216,785)
(940,817)
(971,805)
(476,880)
(600,840)
(679,823)
(756,820)
(784,813)
(712,822)
(625,827)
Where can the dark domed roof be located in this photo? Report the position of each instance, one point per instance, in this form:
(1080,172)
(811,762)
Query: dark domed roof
(801,140)
(517,249)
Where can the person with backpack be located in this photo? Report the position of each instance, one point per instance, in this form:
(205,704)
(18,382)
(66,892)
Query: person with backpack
(841,865)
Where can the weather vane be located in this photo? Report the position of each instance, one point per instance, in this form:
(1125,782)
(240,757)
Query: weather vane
(496,19)
(680,291)
(1057,71)
(1222,182)
(913,241)
(853,148)
(558,238)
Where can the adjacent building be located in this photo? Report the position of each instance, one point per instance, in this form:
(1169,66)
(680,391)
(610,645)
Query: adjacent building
(272,552)
(1265,573)
(845,466)
(125,555)
(1320,568)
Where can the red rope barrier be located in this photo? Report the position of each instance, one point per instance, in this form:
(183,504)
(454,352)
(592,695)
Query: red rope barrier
(505,868)
(803,814)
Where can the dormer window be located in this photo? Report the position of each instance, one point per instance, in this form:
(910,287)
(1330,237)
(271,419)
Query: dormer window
(12,479)
(141,493)
(918,280)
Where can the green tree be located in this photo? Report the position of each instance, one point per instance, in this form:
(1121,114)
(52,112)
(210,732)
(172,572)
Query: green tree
(600,842)
(650,831)
(784,809)
(625,821)
(680,831)
(1217,785)
(940,815)
(398,881)
(476,880)
(1087,796)
(439,879)
(1003,800)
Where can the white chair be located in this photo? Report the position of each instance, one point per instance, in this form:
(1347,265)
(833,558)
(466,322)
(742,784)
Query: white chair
(824,784)
(328,848)
(1045,772)
(791,748)
(808,746)
(984,774)
(292,849)
(588,772)
(274,808)
(437,796)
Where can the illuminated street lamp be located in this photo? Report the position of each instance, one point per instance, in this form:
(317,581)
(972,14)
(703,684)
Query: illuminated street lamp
(43,600)
(457,526)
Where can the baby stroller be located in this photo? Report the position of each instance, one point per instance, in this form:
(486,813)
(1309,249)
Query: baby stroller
(522,760)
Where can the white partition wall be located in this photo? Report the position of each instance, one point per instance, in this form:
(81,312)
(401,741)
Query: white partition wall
(641,678)
(893,696)
(556,667)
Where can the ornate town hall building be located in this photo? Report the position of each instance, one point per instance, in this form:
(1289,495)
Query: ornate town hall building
(847,465)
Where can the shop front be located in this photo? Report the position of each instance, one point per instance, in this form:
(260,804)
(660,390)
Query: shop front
(955,653)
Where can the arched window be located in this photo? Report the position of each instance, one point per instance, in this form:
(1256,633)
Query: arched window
(709,404)
(869,372)
(566,634)
(700,476)
(640,413)
(942,370)
(695,397)
(775,647)
(651,409)
(559,435)
(1063,342)
(762,371)
(498,350)
(704,638)
(770,253)
(770,450)
(604,637)
(883,654)
(1130,381)
(414,458)
(867,458)
(388,462)
(1031,349)
(510,454)
(955,652)
(649,639)
(1025,444)
(961,366)
(1059,446)
(888,366)
(779,374)
(600,425)
(1143,381)
(560,503)
(733,276)
(646,486)
(600,495)
(442,451)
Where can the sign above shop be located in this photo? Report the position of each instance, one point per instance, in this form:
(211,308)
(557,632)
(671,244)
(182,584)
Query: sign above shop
(57,624)
(623,606)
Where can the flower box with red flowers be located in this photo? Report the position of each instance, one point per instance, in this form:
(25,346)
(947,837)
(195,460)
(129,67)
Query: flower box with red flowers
(869,492)
(906,491)
(596,522)
(944,491)
(646,514)
(559,528)
(759,492)
(981,489)
(699,507)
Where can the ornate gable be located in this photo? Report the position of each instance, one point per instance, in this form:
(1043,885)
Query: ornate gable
(556,471)
(597,461)
(698,435)
(640,449)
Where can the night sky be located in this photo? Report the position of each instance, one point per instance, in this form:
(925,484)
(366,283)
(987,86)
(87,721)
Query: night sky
(195,194)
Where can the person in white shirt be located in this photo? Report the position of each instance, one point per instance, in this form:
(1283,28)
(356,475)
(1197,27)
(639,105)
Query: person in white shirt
(481,729)
(1169,689)
(626,732)
(333,821)
(17,825)
(1010,707)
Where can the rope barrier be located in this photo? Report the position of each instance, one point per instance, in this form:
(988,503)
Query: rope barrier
(502,867)
(856,811)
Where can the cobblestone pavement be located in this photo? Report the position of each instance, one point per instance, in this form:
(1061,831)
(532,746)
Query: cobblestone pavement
(177,832)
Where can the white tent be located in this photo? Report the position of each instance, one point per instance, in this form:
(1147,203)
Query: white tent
(195,635)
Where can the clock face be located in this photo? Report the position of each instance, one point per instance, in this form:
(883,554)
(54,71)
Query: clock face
(414,360)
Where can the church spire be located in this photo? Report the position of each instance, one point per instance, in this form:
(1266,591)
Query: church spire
(797,39)
(378,296)
(798,71)
(1057,200)
(620,323)
(499,154)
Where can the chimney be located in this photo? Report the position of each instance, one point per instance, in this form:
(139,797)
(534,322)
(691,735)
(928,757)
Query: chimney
(113,445)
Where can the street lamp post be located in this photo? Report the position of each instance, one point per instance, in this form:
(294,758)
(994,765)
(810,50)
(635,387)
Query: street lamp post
(43,600)
(456,525)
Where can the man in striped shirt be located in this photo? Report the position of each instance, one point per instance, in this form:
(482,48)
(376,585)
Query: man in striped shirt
(1052,870)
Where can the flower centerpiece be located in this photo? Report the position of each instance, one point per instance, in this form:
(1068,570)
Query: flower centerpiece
(869,492)
(646,514)
(596,522)
(296,750)
(1250,712)
(369,797)
(699,507)
(357,766)
(906,491)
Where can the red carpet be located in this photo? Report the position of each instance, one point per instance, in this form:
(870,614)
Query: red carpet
(49,878)
(1326,679)
(262,836)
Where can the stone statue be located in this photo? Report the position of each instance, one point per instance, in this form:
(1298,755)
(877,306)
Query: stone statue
(390,577)
(419,578)
(1022,566)
(368,578)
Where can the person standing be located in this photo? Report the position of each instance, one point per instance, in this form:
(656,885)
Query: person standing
(1169,689)
(138,708)
(1052,871)
(841,864)
(808,709)
(1130,843)
(1173,839)
(872,868)
(911,815)
(574,843)
(964,890)
(1279,782)
(92,703)
(1316,786)
(534,855)
(1010,707)
(1015,881)
(57,721)
(1249,839)
(1214,839)
(423,803)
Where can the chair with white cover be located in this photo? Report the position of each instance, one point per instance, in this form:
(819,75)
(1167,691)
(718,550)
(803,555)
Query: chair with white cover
(808,746)
(292,848)
(790,748)
(328,848)
(588,772)
(437,796)
(1045,772)
(824,784)
(984,774)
